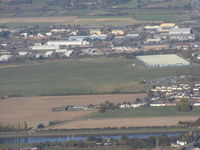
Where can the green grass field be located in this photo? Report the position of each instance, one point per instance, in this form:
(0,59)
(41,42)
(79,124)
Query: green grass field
(146,112)
(81,76)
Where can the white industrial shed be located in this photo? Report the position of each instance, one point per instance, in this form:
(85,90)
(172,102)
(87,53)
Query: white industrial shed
(67,43)
(180,31)
(92,37)
(45,47)
(163,60)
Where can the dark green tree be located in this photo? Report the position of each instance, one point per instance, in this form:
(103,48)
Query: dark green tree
(184,105)
(40,126)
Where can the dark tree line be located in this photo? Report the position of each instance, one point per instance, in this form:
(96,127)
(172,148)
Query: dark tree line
(9,127)
(134,143)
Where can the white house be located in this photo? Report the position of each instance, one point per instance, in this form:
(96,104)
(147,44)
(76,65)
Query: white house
(68,53)
(39,55)
(61,50)
(22,53)
(157,105)
(48,54)
(48,34)
(196,104)
(182,143)
(5,58)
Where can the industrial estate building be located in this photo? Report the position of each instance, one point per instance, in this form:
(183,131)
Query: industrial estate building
(44,47)
(67,43)
(163,60)
(91,37)
(180,31)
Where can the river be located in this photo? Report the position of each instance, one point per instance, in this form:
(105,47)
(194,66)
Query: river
(21,140)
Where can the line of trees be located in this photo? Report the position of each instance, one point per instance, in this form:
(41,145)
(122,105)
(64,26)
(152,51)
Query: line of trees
(86,3)
(93,141)
(9,127)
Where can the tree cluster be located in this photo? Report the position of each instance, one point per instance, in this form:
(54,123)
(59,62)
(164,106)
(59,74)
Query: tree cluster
(10,127)
(184,105)
(40,126)
(93,141)
(107,106)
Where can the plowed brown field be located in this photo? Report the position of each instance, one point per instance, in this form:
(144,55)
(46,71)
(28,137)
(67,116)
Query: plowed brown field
(127,122)
(37,110)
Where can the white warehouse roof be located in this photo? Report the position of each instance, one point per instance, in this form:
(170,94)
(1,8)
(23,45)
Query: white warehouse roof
(180,31)
(45,47)
(92,37)
(163,60)
(5,58)
(67,43)
(156,40)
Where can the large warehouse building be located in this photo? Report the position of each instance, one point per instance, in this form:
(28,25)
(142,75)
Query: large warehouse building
(163,60)
(68,43)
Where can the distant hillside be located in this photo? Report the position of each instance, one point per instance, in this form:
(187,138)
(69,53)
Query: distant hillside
(145,10)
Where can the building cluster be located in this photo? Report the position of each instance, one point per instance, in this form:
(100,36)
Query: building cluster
(170,94)
(167,96)
(70,108)
(179,143)
(74,41)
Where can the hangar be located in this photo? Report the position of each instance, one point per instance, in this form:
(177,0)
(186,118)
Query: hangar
(163,60)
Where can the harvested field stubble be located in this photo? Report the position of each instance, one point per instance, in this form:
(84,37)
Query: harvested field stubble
(37,110)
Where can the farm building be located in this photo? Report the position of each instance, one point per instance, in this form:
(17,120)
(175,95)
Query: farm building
(163,60)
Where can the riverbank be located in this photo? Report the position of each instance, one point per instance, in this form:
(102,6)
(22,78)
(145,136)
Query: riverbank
(97,132)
